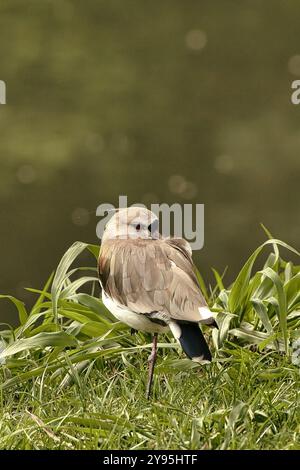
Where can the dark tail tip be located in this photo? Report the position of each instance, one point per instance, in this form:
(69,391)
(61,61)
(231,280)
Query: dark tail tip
(193,342)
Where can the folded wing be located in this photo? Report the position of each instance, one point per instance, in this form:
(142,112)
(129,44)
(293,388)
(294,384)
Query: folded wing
(150,276)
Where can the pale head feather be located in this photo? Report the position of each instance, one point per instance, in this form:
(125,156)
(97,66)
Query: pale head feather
(133,223)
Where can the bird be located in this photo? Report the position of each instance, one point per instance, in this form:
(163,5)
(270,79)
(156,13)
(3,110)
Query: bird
(149,283)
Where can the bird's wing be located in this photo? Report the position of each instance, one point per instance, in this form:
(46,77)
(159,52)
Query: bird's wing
(149,276)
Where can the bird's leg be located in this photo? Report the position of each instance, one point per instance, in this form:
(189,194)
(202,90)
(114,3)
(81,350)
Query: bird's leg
(151,362)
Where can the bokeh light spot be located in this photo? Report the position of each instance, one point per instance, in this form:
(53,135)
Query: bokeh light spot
(26,174)
(177,184)
(195,39)
(80,216)
(224,164)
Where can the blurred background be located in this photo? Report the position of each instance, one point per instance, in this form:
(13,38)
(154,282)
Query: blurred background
(161,101)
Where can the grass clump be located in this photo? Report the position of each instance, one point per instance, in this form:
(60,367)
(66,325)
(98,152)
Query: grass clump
(72,377)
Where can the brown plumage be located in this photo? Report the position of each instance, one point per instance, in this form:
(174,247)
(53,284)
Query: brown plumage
(151,276)
(150,284)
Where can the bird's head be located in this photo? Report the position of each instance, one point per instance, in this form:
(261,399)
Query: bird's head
(132,222)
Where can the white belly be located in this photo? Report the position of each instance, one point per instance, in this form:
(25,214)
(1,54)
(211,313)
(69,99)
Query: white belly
(134,320)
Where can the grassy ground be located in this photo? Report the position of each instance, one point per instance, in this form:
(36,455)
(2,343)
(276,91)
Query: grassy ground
(74,378)
(251,403)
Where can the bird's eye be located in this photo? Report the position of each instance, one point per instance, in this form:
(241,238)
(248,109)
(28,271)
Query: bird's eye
(138,227)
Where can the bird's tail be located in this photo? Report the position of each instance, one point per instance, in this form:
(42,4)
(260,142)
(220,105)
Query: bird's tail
(191,339)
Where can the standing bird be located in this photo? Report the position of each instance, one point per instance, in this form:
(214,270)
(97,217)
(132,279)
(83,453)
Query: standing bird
(150,284)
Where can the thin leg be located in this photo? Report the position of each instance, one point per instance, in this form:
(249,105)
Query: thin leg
(151,361)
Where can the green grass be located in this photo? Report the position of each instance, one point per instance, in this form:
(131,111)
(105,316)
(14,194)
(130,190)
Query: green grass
(72,377)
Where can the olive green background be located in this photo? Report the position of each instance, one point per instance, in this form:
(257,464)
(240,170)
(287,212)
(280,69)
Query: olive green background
(164,101)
